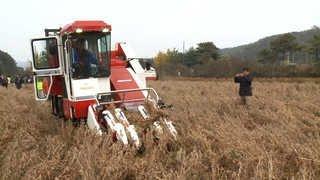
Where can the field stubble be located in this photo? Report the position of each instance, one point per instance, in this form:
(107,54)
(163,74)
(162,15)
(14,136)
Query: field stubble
(277,136)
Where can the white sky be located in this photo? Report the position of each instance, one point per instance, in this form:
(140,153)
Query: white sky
(151,26)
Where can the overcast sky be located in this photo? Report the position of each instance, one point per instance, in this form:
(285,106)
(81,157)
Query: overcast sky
(151,26)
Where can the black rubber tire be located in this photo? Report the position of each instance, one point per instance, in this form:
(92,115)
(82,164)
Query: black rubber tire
(59,107)
(53,105)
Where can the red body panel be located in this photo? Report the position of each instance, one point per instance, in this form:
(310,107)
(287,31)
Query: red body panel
(57,85)
(118,63)
(121,79)
(118,53)
(86,26)
(118,58)
(79,109)
(151,78)
(66,108)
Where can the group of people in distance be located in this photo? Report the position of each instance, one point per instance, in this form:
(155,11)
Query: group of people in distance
(18,80)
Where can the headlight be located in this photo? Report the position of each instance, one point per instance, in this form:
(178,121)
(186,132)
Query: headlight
(105,30)
(79,30)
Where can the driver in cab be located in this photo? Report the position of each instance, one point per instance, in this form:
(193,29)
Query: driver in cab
(84,61)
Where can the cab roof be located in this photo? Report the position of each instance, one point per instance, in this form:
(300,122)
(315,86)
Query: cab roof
(86,26)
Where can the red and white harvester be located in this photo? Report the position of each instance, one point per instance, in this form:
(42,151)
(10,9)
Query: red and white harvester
(86,81)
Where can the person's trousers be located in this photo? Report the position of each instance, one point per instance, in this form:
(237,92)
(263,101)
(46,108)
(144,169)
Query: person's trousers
(244,100)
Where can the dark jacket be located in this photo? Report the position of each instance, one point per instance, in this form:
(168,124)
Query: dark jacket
(5,82)
(18,82)
(245,85)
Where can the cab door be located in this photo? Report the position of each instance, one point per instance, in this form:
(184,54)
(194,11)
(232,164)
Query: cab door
(46,63)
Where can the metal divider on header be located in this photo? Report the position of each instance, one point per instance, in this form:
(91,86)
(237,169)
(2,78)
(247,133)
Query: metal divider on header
(106,98)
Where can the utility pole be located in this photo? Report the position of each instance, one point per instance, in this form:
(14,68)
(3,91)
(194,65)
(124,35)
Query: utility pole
(183,53)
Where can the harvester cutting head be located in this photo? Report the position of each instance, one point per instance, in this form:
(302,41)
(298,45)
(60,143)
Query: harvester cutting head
(86,80)
(145,116)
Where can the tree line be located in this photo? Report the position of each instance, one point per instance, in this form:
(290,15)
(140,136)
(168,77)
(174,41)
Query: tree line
(206,60)
(285,49)
(8,65)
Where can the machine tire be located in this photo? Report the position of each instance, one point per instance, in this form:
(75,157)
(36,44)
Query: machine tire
(59,106)
(53,105)
(75,121)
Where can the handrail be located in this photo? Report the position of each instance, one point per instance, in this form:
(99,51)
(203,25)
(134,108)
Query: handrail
(124,92)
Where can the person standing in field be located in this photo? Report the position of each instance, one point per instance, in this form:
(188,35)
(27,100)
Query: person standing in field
(1,80)
(9,80)
(18,82)
(244,79)
(4,82)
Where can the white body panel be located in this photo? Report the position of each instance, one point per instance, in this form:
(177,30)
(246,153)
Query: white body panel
(171,128)
(115,127)
(151,73)
(130,128)
(143,112)
(135,64)
(140,80)
(92,122)
(130,54)
(89,87)
(142,73)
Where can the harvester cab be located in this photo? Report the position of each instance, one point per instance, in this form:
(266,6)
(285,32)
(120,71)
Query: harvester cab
(86,81)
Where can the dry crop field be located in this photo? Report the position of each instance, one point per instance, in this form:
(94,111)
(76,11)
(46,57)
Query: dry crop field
(276,137)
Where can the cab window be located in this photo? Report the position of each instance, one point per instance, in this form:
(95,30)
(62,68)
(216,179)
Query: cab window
(90,55)
(45,53)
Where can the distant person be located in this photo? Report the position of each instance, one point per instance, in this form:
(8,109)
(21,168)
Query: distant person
(1,80)
(18,82)
(30,80)
(4,81)
(9,79)
(24,80)
(244,79)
